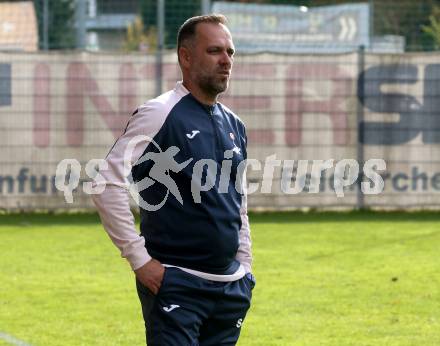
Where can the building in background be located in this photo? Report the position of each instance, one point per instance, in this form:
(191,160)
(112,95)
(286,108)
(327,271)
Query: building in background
(18,27)
(107,21)
(102,24)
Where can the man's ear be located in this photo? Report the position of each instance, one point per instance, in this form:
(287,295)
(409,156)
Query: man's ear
(184,57)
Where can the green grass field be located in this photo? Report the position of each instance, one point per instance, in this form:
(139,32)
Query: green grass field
(322,279)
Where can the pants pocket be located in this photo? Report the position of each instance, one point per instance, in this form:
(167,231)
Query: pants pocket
(164,282)
(250,280)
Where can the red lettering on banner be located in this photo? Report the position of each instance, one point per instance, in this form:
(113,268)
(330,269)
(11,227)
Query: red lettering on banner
(147,71)
(261,136)
(248,103)
(171,74)
(253,71)
(41,126)
(296,105)
(81,85)
(238,103)
(127,89)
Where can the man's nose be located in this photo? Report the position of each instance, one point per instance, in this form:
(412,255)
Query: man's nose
(226,60)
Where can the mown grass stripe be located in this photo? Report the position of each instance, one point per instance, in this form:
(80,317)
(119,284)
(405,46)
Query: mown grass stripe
(13,340)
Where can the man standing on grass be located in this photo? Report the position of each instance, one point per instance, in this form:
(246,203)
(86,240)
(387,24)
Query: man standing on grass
(193,258)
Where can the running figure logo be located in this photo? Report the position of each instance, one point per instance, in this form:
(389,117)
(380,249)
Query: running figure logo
(164,162)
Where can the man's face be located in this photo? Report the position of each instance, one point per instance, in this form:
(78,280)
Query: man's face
(211,58)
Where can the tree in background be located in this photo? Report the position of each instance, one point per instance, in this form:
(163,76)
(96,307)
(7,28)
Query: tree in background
(61,23)
(277,2)
(176,12)
(138,39)
(406,19)
(433,29)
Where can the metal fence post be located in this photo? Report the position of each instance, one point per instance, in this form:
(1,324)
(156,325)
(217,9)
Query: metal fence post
(80,21)
(360,116)
(160,44)
(46,24)
(371,22)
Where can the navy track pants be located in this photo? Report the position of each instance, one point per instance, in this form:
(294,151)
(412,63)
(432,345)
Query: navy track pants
(190,311)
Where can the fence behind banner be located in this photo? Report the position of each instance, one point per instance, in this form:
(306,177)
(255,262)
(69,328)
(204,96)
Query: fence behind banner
(296,107)
(324,87)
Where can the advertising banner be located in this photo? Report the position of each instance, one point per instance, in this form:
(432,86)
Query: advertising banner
(326,111)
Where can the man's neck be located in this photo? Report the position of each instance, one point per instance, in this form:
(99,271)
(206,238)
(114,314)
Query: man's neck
(199,95)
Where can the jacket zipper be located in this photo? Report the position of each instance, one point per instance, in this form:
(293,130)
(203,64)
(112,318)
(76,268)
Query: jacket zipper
(217,140)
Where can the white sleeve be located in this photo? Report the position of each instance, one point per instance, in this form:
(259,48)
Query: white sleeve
(244,253)
(117,219)
(113,204)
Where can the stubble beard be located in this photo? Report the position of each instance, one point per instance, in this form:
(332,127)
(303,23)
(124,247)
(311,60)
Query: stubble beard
(212,85)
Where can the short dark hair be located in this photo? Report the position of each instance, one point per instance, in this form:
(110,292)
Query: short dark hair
(188,29)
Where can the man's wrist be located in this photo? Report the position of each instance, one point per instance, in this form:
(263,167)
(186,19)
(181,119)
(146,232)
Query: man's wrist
(139,259)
